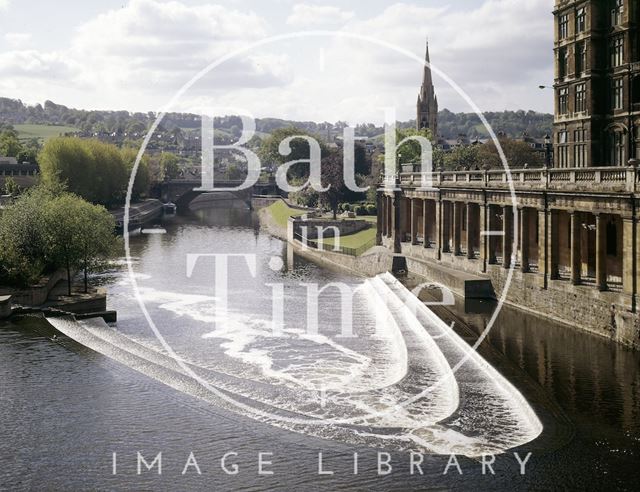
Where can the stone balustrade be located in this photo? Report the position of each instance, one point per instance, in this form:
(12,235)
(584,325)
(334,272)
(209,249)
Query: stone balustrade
(604,179)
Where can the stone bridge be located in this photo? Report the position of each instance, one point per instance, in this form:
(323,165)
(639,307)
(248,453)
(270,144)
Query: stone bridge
(183,191)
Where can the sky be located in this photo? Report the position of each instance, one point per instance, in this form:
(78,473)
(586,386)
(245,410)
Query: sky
(137,54)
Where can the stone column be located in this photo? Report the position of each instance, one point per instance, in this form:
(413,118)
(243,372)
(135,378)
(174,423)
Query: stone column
(483,227)
(379,215)
(471,230)
(457,228)
(524,240)
(576,256)
(425,224)
(507,240)
(395,222)
(554,252)
(543,242)
(629,236)
(492,240)
(437,225)
(414,220)
(389,217)
(601,252)
(445,226)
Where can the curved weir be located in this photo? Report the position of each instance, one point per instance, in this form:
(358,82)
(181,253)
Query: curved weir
(400,384)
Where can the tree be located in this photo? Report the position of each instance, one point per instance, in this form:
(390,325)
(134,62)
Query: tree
(410,152)
(11,188)
(332,176)
(516,152)
(270,155)
(169,167)
(143,178)
(10,146)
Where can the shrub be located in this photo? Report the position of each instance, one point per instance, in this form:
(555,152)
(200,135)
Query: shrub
(371,209)
(347,207)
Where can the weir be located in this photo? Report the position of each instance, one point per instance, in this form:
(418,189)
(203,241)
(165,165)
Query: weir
(439,395)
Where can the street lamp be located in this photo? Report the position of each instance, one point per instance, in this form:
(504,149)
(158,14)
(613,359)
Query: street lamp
(547,150)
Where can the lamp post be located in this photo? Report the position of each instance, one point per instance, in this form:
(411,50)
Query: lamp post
(547,150)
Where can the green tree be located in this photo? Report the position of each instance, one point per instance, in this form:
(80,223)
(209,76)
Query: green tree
(10,146)
(11,188)
(69,161)
(333,177)
(169,166)
(143,178)
(270,155)
(516,152)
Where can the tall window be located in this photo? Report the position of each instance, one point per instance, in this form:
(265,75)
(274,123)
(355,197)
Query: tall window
(616,149)
(616,12)
(581,58)
(563,149)
(581,20)
(617,51)
(562,63)
(617,94)
(581,98)
(563,26)
(580,148)
(563,99)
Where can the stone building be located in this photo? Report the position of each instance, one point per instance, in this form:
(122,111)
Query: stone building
(597,83)
(427,106)
(564,241)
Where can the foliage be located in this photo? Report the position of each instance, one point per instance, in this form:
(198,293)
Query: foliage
(333,177)
(11,188)
(517,153)
(143,177)
(270,156)
(169,166)
(48,228)
(96,171)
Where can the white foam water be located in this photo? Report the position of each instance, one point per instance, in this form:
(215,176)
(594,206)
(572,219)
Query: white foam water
(396,388)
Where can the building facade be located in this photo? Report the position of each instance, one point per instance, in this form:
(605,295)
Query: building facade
(427,106)
(597,83)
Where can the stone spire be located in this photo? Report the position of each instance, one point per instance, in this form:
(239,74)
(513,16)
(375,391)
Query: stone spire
(427,107)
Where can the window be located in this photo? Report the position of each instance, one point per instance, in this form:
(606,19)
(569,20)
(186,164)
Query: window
(616,12)
(563,26)
(612,239)
(617,94)
(581,20)
(617,51)
(562,63)
(581,58)
(563,98)
(616,148)
(563,149)
(581,98)
(580,148)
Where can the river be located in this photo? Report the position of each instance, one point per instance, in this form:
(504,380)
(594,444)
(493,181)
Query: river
(75,417)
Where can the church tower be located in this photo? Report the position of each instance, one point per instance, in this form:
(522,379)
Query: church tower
(427,107)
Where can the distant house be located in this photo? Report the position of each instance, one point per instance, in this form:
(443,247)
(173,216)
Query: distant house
(25,174)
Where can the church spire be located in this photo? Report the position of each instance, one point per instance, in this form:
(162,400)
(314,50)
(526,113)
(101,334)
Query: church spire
(427,107)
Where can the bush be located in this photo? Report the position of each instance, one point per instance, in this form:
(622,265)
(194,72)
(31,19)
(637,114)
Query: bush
(346,207)
(371,209)
(360,210)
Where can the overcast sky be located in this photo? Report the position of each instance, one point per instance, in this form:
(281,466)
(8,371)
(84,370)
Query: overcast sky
(136,54)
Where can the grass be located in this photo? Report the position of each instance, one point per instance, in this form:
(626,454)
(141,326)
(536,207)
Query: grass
(42,132)
(281,212)
(354,241)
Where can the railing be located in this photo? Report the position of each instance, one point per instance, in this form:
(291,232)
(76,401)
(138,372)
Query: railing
(606,179)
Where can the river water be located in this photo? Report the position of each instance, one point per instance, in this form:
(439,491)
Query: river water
(268,390)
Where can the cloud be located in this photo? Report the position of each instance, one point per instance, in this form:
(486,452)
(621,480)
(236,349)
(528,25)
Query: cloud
(304,15)
(17,39)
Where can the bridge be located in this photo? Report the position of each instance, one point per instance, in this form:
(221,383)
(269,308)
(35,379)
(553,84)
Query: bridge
(183,191)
